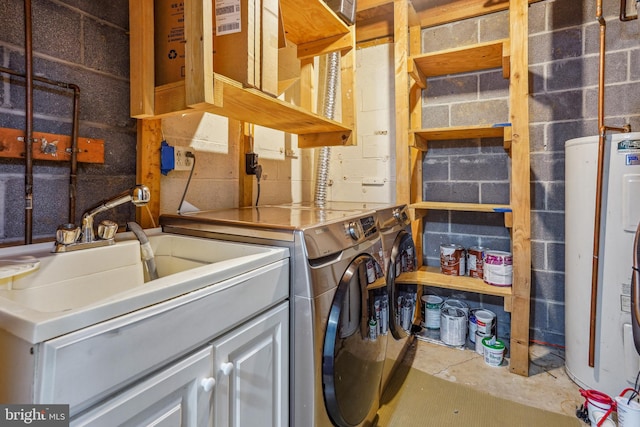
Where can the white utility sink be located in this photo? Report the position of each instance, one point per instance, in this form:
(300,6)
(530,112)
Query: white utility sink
(67,291)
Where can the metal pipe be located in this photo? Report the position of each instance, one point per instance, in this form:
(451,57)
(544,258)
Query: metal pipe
(28,135)
(623,12)
(73,181)
(602,131)
(73,164)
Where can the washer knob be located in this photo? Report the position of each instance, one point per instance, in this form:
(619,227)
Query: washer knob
(353,231)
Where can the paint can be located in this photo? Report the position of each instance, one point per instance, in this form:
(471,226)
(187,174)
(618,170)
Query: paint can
(456,303)
(485,321)
(432,305)
(475,261)
(479,347)
(498,268)
(599,407)
(628,410)
(373,329)
(453,326)
(473,326)
(384,309)
(371,272)
(493,351)
(452,260)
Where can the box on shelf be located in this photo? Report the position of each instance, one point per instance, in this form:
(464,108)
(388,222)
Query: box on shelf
(245,42)
(236,40)
(169,41)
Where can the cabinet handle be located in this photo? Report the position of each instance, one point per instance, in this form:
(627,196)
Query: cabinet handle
(226,368)
(208,384)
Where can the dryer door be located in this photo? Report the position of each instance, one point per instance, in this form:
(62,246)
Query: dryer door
(353,352)
(401,297)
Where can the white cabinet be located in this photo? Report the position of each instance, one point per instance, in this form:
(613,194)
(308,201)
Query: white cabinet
(252,385)
(240,379)
(177,396)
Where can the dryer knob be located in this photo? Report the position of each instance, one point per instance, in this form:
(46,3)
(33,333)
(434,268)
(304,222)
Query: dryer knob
(397,214)
(353,231)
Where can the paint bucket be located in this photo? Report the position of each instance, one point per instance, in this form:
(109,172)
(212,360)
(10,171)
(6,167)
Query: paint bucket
(498,268)
(453,326)
(456,303)
(479,347)
(432,306)
(452,260)
(599,407)
(473,326)
(628,410)
(485,321)
(493,351)
(475,261)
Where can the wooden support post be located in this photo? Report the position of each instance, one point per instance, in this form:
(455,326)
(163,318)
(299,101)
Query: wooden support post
(520,187)
(148,169)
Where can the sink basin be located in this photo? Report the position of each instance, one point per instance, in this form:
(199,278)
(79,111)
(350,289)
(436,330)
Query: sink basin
(67,291)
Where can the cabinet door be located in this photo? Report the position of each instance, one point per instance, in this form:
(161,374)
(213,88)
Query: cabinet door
(252,366)
(180,395)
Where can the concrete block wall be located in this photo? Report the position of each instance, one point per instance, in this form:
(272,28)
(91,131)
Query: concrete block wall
(74,41)
(563,75)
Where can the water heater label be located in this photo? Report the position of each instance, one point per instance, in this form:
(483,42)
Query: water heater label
(625,303)
(632,159)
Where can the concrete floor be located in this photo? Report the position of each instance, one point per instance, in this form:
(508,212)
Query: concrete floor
(547,387)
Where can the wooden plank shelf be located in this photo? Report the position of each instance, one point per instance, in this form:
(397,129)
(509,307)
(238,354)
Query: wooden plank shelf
(375,18)
(310,22)
(236,102)
(315,28)
(431,276)
(419,138)
(478,57)
(420,209)
(468,207)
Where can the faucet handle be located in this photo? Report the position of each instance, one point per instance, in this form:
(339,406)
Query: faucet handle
(140,195)
(67,234)
(107,229)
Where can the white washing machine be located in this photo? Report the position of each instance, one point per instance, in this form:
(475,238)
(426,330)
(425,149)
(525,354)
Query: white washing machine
(336,278)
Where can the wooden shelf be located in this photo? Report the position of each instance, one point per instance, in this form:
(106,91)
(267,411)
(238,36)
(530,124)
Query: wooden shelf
(309,22)
(431,276)
(380,282)
(233,101)
(469,207)
(419,138)
(420,209)
(482,56)
(315,27)
(375,18)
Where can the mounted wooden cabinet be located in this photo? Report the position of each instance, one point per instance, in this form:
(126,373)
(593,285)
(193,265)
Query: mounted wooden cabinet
(313,27)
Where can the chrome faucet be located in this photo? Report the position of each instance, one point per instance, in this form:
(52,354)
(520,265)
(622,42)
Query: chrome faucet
(69,237)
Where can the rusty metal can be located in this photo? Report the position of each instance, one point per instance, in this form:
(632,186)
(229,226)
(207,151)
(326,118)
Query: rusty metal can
(452,260)
(475,261)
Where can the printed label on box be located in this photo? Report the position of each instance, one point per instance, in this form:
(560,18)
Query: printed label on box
(227,17)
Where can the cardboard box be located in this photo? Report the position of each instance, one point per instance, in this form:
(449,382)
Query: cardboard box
(236,40)
(245,42)
(169,41)
(269,47)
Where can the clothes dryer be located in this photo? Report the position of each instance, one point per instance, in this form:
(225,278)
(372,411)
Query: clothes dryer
(399,258)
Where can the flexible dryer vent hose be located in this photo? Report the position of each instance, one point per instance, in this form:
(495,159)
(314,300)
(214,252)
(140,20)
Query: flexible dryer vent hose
(324,154)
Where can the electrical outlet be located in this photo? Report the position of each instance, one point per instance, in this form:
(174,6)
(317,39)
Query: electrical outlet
(182,162)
